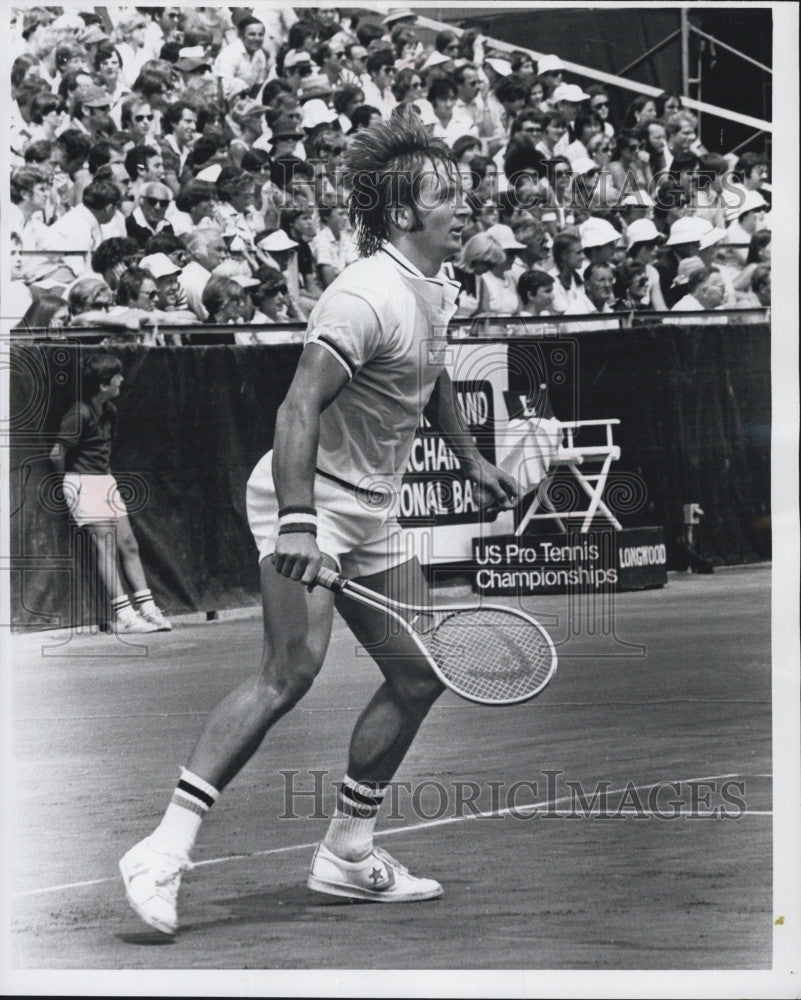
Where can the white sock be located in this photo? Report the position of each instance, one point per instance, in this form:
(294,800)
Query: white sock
(191,800)
(350,833)
(143,601)
(121,606)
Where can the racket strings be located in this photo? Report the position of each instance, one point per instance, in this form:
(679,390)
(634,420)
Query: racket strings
(492,655)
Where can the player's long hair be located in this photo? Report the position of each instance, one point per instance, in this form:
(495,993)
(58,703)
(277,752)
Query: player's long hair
(385,164)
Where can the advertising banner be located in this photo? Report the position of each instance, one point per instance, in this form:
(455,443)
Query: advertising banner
(597,561)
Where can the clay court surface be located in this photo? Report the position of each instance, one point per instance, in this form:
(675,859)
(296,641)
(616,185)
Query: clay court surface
(98,738)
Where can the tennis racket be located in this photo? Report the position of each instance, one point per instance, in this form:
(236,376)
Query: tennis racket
(489,654)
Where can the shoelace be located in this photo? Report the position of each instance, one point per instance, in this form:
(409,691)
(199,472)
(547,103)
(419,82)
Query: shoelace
(171,869)
(391,862)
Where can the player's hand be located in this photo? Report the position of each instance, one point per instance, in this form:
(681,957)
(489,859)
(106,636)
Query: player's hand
(298,557)
(494,490)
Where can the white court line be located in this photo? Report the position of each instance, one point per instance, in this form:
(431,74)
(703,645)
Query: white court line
(548,805)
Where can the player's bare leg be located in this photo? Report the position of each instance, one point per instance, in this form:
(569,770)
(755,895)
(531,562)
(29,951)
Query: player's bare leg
(346,863)
(297,628)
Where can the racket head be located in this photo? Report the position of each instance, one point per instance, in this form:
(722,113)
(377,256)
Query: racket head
(489,655)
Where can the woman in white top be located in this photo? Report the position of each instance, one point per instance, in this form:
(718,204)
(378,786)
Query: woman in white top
(642,239)
(479,254)
(498,294)
(452,125)
(584,128)
(129,36)
(108,68)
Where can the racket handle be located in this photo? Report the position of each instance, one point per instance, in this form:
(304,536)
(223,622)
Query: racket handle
(331,580)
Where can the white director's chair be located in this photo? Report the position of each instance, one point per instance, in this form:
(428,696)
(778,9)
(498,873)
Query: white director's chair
(536,449)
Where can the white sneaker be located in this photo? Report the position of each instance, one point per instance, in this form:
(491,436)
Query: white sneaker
(134,623)
(156,618)
(152,878)
(378,877)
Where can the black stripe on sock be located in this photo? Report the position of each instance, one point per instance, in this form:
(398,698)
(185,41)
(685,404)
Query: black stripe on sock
(354,796)
(198,793)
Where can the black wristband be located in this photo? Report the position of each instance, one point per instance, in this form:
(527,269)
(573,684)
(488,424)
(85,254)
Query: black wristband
(291,529)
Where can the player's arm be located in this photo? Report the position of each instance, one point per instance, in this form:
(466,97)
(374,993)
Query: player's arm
(496,490)
(319,379)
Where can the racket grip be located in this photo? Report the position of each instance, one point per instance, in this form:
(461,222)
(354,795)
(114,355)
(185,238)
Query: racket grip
(331,580)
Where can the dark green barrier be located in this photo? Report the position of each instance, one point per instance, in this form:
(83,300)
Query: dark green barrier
(694,404)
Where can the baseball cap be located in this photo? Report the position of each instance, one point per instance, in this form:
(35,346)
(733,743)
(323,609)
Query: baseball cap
(317,112)
(640,198)
(642,231)
(297,57)
(191,58)
(159,265)
(549,64)
(597,233)
(314,86)
(92,34)
(210,173)
(434,59)
(747,202)
(687,267)
(233,85)
(398,14)
(277,240)
(285,128)
(425,109)
(715,235)
(93,97)
(501,66)
(504,236)
(245,280)
(687,229)
(569,92)
(251,109)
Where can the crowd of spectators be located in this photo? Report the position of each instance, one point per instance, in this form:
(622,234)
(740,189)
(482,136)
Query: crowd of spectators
(183,167)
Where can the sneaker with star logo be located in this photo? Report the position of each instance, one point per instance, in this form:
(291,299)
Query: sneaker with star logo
(378,877)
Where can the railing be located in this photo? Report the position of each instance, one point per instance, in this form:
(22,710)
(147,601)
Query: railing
(484,328)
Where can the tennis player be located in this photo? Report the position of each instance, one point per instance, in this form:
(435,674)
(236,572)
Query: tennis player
(325,497)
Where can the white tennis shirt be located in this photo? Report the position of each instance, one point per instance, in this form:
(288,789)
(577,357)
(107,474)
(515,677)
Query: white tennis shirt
(385,323)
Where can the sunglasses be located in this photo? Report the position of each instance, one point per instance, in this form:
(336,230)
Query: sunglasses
(143,118)
(603,149)
(562,173)
(152,296)
(281,290)
(158,202)
(600,104)
(303,70)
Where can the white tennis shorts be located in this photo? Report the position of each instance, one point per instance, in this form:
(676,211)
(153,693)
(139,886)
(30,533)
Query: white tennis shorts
(91,499)
(360,540)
